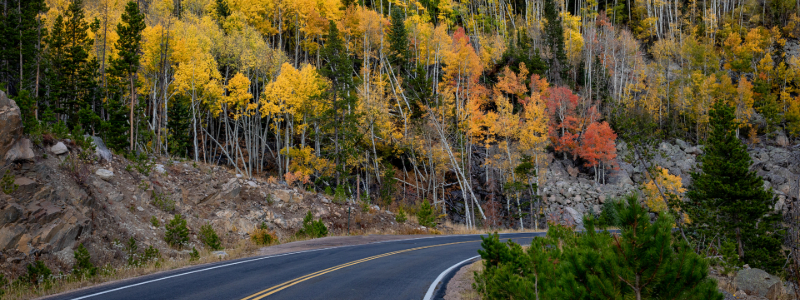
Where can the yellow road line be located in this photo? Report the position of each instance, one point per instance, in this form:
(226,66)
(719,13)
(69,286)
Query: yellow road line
(292,282)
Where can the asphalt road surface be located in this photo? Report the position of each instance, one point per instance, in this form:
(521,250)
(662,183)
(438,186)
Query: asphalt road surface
(401,269)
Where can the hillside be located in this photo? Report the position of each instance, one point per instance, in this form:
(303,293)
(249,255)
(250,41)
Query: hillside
(499,114)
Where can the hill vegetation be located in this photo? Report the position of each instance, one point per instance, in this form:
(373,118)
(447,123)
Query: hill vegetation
(420,101)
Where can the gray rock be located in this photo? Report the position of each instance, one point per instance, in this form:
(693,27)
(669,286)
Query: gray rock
(160,169)
(59,149)
(231,189)
(10,214)
(681,144)
(220,254)
(100,149)
(23,181)
(66,256)
(288,196)
(252,184)
(10,124)
(693,150)
(781,139)
(104,174)
(576,216)
(780,156)
(22,150)
(755,281)
(10,235)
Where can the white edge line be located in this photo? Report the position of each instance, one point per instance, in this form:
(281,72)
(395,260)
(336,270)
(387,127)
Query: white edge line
(432,288)
(271,256)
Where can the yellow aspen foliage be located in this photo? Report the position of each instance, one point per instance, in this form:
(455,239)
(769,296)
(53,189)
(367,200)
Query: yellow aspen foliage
(293,92)
(239,96)
(573,40)
(671,185)
(305,163)
(492,48)
(257,13)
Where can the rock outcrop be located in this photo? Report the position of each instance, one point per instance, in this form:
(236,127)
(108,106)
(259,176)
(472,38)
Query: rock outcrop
(10,124)
(566,191)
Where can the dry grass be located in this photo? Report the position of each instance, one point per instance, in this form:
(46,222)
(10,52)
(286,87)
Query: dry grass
(450,228)
(460,286)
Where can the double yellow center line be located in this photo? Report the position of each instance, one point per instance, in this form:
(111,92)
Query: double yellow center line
(292,282)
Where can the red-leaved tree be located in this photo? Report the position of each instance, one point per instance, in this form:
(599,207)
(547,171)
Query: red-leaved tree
(563,128)
(597,148)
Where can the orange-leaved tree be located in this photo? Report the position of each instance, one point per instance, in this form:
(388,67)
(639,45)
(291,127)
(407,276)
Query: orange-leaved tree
(563,115)
(597,148)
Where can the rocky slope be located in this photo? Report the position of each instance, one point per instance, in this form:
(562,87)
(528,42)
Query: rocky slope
(63,201)
(569,194)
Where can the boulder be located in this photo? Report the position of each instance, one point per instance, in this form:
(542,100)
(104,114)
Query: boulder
(104,174)
(755,281)
(220,254)
(10,214)
(231,189)
(576,216)
(683,145)
(9,235)
(781,139)
(160,169)
(59,149)
(23,181)
(10,123)
(100,149)
(288,196)
(22,150)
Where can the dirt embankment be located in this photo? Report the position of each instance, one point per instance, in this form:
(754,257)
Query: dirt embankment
(66,196)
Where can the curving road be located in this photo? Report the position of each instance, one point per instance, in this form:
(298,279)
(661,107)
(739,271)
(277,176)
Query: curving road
(400,269)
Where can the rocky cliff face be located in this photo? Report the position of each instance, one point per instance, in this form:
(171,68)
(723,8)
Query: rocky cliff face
(62,202)
(10,124)
(568,194)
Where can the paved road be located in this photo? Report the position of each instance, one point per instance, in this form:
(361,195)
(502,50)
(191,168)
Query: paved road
(402,269)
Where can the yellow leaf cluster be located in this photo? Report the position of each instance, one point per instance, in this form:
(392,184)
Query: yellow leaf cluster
(671,185)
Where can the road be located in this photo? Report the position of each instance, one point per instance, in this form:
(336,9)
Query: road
(401,269)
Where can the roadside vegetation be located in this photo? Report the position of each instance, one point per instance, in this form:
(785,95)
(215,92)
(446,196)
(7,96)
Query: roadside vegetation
(727,220)
(645,261)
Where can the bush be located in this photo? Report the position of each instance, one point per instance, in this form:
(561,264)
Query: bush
(38,273)
(311,228)
(340,196)
(163,202)
(425,215)
(83,266)
(262,235)
(401,216)
(7,183)
(177,233)
(609,217)
(194,255)
(3,283)
(645,262)
(154,221)
(151,254)
(210,238)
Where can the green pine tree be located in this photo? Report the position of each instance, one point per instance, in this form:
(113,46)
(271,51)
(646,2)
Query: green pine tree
(126,66)
(398,41)
(72,74)
(554,40)
(728,201)
(180,120)
(645,262)
(21,32)
(341,119)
